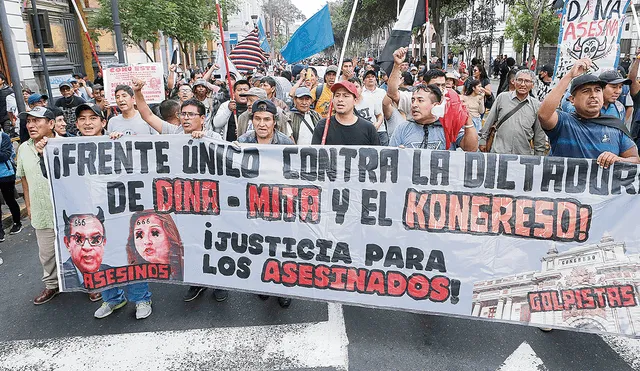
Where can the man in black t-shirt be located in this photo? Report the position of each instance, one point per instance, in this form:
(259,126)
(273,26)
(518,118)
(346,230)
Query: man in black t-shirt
(345,128)
(68,103)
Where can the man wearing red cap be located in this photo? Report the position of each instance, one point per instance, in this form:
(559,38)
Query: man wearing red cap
(345,128)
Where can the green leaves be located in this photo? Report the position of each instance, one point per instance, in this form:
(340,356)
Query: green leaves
(521,25)
(141,20)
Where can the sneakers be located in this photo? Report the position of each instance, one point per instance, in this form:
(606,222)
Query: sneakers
(95,296)
(106,309)
(263,297)
(17,228)
(193,292)
(45,296)
(143,310)
(1,235)
(220,295)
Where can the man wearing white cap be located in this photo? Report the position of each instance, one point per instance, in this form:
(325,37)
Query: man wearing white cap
(303,118)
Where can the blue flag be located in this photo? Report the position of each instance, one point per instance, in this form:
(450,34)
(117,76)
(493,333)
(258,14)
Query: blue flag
(262,36)
(314,36)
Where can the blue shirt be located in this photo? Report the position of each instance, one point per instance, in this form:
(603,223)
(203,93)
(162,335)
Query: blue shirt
(583,139)
(411,134)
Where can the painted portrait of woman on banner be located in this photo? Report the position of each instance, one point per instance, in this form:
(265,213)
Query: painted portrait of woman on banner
(154,238)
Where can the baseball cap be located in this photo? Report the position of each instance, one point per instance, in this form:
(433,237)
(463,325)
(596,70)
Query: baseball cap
(547,68)
(35,98)
(414,68)
(39,112)
(333,68)
(72,80)
(584,80)
(370,72)
(255,92)
(451,75)
(351,87)
(303,92)
(614,77)
(201,82)
(65,83)
(92,106)
(264,105)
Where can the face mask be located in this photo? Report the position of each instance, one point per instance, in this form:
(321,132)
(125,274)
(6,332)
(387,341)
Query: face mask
(438,111)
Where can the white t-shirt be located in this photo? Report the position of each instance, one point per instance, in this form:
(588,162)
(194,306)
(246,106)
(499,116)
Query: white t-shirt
(133,126)
(370,105)
(305,135)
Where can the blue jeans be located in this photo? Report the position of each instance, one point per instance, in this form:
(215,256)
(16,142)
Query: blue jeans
(136,292)
(477,122)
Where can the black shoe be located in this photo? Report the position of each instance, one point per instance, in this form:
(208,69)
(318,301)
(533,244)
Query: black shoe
(193,292)
(17,228)
(263,297)
(220,295)
(1,236)
(284,302)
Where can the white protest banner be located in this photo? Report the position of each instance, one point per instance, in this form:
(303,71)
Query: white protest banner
(150,73)
(533,240)
(590,29)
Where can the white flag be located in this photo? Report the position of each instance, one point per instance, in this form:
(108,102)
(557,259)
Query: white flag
(223,70)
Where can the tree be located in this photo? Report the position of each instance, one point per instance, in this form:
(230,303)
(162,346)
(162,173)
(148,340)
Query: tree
(532,22)
(283,14)
(140,20)
(373,15)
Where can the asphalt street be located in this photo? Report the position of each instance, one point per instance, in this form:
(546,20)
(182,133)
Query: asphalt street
(247,333)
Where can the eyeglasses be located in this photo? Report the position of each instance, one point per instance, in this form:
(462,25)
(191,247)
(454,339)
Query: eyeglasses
(188,115)
(524,82)
(94,240)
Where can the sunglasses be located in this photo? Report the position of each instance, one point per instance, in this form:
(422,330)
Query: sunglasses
(94,240)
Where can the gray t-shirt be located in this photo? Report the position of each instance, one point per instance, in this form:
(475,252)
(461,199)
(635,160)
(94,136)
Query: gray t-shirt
(411,135)
(168,128)
(133,126)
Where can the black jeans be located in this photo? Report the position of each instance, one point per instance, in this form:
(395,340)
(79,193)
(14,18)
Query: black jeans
(8,190)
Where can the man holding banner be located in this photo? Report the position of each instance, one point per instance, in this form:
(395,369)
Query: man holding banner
(587,134)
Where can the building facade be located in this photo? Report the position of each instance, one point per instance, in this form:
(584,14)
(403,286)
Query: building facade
(602,264)
(21,46)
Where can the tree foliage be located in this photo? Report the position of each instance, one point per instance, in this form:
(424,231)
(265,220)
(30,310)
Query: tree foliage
(373,15)
(532,22)
(140,20)
(284,14)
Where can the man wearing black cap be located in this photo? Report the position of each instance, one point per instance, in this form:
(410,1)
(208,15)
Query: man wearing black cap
(263,117)
(585,134)
(39,123)
(68,103)
(611,92)
(545,75)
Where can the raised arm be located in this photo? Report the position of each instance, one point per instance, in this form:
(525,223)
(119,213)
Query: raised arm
(547,113)
(145,112)
(292,92)
(171,79)
(395,76)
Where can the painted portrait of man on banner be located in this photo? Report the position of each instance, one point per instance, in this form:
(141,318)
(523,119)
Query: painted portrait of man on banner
(590,29)
(85,239)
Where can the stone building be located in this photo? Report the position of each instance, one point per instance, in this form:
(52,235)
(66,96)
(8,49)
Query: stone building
(602,264)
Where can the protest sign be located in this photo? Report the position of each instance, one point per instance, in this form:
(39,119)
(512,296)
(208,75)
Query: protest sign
(590,29)
(533,240)
(150,73)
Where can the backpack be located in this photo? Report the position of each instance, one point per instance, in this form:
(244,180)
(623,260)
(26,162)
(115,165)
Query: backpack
(319,90)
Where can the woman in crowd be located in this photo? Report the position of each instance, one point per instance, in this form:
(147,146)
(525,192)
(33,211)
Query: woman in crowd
(473,98)
(480,74)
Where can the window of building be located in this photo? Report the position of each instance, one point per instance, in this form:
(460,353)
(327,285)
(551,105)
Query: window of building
(45,29)
(492,312)
(626,26)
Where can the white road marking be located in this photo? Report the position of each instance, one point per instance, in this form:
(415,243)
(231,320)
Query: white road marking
(522,359)
(274,347)
(627,348)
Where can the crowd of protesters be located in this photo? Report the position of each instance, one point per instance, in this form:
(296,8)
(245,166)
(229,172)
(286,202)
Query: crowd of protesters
(583,116)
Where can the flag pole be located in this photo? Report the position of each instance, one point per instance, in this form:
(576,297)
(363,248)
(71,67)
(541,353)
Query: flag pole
(344,48)
(224,50)
(428,31)
(226,60)
(86,33)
